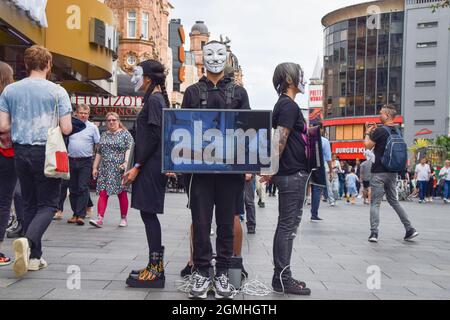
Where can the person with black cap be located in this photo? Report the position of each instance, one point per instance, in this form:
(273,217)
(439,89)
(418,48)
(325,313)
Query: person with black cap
(214,91)
(148,182)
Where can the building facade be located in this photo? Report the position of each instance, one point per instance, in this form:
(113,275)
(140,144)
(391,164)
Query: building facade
(426,70)
(315,90)
(143,27)
(380,52)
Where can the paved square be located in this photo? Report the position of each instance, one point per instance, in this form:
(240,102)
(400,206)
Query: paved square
(333,256)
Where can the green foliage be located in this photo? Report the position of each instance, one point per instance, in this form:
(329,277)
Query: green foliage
(442,4)
(443,141)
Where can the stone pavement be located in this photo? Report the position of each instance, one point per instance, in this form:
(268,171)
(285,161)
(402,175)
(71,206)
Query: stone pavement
(332,256)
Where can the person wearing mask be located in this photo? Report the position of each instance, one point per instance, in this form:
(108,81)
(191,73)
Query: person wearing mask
(81,150)
(27,110)
(445,175)
(292,176)
(110,164)
(384,182)
(149,184)
(422,176)
(207,191)
(316,191)
(8,176)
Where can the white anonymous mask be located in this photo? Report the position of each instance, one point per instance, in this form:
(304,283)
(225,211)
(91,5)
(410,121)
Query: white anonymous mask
(215,57)
(138,78)
(301,83)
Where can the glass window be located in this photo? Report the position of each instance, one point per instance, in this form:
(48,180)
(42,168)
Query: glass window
(395,87)
(144,26)
(370,91)
(339,132)
(425,103)
(360,81)
(425,83)
(424,122)
(350,106)
(351,82)
(424,25)
(131,24)
(332,133)
(359,105)
(358,132)
(431,44)
(426,64)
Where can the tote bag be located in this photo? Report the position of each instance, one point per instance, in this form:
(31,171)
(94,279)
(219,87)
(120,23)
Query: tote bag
(56,157)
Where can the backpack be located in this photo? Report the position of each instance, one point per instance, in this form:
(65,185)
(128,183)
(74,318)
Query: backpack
(203,93)
(395,155)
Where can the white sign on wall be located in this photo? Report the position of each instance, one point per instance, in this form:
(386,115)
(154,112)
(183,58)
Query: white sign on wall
(34,9)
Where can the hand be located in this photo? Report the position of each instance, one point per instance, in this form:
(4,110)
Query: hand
(248,177)
(123,166)
(265,178)
(95,173)
(331,176)
(370,127)
(171,175)
(130,176)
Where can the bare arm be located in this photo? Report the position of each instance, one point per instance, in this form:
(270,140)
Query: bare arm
(65,122)
(97,160)
(5,122)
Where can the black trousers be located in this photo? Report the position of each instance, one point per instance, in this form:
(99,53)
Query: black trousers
(40,194)
(206,192)
(80,173)
(8,180)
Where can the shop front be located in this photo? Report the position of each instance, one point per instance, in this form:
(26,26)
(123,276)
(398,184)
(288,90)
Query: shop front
(79,33)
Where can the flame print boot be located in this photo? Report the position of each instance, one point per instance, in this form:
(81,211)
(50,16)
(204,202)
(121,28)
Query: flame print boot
(152,276)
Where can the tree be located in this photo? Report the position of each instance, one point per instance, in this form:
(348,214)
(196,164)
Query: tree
(442,4)
(443,141)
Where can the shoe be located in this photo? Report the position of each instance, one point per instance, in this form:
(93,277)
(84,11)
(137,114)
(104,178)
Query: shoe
(123,223)
(251,229)
(445,200)
(80,221)
(12,222)
(244,274)
(152,276)
(411,234)
(37,264)
(420,201)
(89,212)
(316,219)
(290,286)
(261,204)
(333,204)
(21,256)
(212,232)
(187,271)
(96,223)
(16,232)
(73,220)
(373,237)
(4,260)
(222,286)
(58,215)
(201,285)
(139,271)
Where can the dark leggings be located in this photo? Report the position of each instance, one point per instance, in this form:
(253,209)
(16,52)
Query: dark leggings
(153,231)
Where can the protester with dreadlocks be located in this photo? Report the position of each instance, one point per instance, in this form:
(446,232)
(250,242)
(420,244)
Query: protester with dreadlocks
(148,182)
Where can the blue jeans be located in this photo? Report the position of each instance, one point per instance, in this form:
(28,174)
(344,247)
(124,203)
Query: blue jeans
(316,192)
(447,190)
(423,185)
(290,209)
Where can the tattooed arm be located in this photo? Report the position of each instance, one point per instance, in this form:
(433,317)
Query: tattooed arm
(281,135)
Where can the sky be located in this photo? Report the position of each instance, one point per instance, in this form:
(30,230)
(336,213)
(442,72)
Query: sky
(263,34)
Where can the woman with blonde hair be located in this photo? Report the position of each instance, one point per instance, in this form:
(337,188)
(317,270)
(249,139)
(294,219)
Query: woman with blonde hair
(8,176)
(109,166)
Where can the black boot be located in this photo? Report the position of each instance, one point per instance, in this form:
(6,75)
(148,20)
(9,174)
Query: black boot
(152,276)
(135,272)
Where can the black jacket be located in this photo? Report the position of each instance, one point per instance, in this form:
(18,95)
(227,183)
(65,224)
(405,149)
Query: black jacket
(216,96)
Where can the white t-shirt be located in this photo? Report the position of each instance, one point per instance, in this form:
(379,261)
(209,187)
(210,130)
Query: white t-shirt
(445,172)
(423,172)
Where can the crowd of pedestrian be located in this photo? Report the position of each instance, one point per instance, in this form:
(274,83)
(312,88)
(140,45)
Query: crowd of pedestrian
(117,161)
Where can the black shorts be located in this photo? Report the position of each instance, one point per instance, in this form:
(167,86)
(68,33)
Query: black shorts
(366,184)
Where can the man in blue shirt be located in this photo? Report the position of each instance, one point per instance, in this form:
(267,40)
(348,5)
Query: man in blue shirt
(27,110)
(316,191)
(81,151)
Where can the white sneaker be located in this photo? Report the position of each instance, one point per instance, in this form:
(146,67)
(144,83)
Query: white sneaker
(21,256)
(37,264)
(212,232)
(123,223)
(333,204)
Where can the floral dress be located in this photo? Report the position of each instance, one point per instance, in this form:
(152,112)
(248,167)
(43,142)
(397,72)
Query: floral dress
(112,149)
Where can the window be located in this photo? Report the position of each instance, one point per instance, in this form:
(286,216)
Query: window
(431,44)
(425,83)
(426,64)
(424,25)
(131,24)
(144,26)
(424,122)
(424,103)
